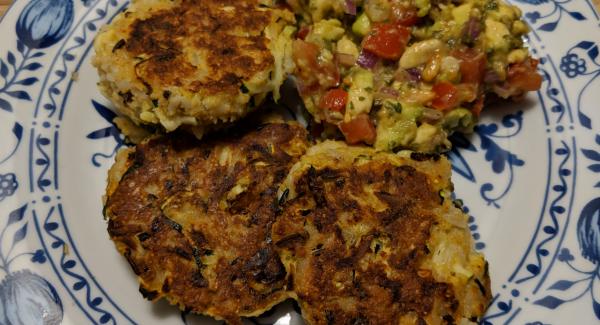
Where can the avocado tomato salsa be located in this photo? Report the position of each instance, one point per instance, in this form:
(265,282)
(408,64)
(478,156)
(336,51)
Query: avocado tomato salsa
(405,74)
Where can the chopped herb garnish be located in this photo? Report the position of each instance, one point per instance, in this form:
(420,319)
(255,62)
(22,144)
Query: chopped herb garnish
(397,107)
(491,5)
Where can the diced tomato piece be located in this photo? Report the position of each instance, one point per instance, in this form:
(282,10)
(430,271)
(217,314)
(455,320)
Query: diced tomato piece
(387,41)
(524,75)
(472,65)
(303,32)
(405,15)
(314,74)
(305,54)
(360,129)
(446,96)
(334,100)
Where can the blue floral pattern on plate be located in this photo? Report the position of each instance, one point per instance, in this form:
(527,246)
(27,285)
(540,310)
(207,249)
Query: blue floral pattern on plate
(25,297)
(529,177)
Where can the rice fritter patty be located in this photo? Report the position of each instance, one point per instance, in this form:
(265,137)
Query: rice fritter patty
(191,62)
(193,218)
(374,238)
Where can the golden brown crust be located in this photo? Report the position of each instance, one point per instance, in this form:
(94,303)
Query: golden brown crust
(193,219)
(355,233)
(230,227)
(214,30)
(335,270)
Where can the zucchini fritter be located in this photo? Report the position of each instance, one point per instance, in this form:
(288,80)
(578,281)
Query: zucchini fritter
(193,63)
(229,227)
(193,218)
(374,238)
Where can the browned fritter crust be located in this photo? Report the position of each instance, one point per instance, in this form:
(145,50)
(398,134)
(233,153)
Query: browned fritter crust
(193,218)
(211,30)
(354,236)
(194,64)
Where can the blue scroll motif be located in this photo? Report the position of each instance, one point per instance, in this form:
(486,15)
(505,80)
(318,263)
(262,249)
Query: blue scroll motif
(549,14)
(110,131)
(502,161)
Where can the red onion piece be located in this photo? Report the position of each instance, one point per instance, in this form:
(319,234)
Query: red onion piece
(367,60)
(491,77)
(378,11)
(414,73)
(472,29)
(350,7)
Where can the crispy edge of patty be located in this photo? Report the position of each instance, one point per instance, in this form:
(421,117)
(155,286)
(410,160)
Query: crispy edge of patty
(172,202)
(373,238)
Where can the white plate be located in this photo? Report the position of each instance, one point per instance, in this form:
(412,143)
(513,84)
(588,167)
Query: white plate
(530,177)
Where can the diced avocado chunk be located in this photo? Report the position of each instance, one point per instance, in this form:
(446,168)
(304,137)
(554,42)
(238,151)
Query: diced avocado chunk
(497,35)
(328,30)
(423,6)
(518,55)
(498,63)
(326,55)
(459,119)
(362,25)
(462,13)
(519,28)
(397,125)
(362,78)
(450,70)
(505,13)
(427,137)
(412,112)
(360,93)
(346,46)
(321,8)
(394,129)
